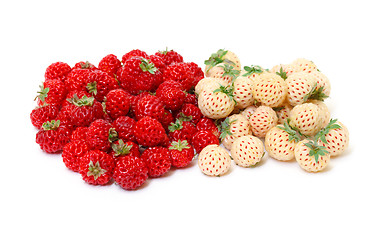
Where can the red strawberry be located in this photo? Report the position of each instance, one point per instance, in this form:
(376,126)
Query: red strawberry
(73,152)
(151,106)
(197,72)
(181,153)
(44,113)
(52,137)
(79,134)
(77,80)
(99,84)
(182,73)
(117,103)
(191,98)
(190,112)
(84,65)
(124,127)
(130,172)
(167,119)
(168,84)
(58,70)
(138,75)
(96,167)
(158,160)
(203,138)
(100,135)
(149,132)
(110,64)
(170,57)
(171,97)
(182,130)
(158,62)
(134,99)
(121,148)
(52,91)
(134,53)
(208,124)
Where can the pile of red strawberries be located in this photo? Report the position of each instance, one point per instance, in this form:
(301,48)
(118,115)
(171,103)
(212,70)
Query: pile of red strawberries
(123,121)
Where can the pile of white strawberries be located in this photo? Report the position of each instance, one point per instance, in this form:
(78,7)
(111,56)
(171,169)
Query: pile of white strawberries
(280,110)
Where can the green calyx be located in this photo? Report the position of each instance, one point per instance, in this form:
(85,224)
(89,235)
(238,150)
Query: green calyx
(316,150)
(316,94)
(321,135)
(252,69)
(225,128)
(85,65)
(51,125)
(177,125)
(92,87)
(230,71)
(95,170)
(147,66)
(216,58)
(179,145)
(121,148)
(164,51)
(228,90)
(184,118)
(282,73)
(42,93)
(84,101)
(293,133)
(113,135)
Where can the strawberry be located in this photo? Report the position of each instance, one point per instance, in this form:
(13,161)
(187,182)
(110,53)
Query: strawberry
(151,106)
(77,79)
(159,63)
(149,132)
(269,89)
(203,138)
(58,70)
(218,103)
(306,119)
(117,103)
(138,74)
(124,127)
(72,154)
(52,137)
(52,91)
(170,57)
(300,86)
(172,97)
(190,112)
(181,130)
(311,156)
(209,83)
(191,98)
(79,133)
(224,71)
(283,70)
(214,160)
(324,112)
(280,142)
(121,148)
(252,72)
(84,65)
(134,53)
(197,72)
(44,113)
(243,92)
(232,128)
(303,65)
(109,64)
(181,153)
(96,167)
(222,56)
(182,73)
(100,135)
(263,119)
(207,124)
(247,112)
(247,151)
(322,87)
(157,160)
(167,119)
(99,84)
(283,112)
(130,172)
(335,137)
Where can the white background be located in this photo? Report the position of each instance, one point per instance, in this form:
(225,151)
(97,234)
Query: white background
(42,199)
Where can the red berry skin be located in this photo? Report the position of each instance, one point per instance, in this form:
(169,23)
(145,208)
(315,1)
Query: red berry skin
(130,172)
(72,154)
(170,57)
(99,84)
(172,97)
(58,70)
(117,103)
(44,113)
(201,139)
(96,167)
(124,127)
(207,124)
(158,160)
(77,80)
(191,111)
(181,157)
(56,92)
(79,133)
(167,119)
(185,131)
(110,64)
(134,53)
(119,149)
(53,141)
(191,98)
(151,106)
(84,65)
(197,72)
(98,136)
(149,132)
(182,73)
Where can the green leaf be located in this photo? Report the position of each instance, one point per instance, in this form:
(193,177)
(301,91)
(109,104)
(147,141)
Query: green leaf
(147,66)
(321,135)
(293,134)
(179,145)
(316,150)
(42,93)
(282,73)
(318,94)
(215,58)
(177,125)
(84,101)
(51,125)
(230,71)
(252,69)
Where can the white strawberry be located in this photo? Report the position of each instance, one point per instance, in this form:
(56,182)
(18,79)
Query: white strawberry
(209,83)
(323,86)
(247,112)
(232,128)
(306,119)
(283,70)
(222,56)
(311,156)
(283,112)
(247,151)
(224,71)
(303,65)
(324,112)
(270,89)
(218,103)
(214,160)
(243,92)
(252,72)
(263,119)
(335,137)
(280,142)
(300,86)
